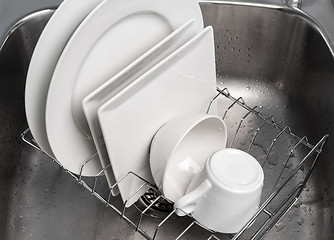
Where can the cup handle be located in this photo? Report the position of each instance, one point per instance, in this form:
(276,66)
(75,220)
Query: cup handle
(187,204)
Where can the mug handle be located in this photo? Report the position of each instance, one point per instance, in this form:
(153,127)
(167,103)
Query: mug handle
(187,204)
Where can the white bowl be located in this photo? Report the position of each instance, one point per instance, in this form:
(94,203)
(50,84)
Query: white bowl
(180,149)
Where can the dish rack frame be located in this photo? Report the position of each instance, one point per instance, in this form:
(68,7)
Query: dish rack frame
(271,216)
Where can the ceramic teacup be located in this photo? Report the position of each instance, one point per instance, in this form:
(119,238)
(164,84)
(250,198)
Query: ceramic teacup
(226,193)
(180,149)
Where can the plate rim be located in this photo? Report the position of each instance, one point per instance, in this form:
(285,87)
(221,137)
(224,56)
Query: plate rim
(37,82)
(82,147)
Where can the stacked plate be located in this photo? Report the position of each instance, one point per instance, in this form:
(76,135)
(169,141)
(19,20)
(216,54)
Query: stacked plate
(106,75)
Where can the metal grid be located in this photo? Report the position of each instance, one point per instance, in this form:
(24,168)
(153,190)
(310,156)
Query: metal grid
(290,169)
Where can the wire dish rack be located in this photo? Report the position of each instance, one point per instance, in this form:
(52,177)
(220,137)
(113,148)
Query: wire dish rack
(287,160)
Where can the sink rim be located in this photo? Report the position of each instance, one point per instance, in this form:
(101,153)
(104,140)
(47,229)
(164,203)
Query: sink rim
(255,5)
(289,10)
(284,8)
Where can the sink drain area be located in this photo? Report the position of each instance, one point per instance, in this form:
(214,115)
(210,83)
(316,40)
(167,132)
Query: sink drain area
(154,205)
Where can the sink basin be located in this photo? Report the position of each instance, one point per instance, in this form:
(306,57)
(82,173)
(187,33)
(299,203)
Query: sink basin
(275,57)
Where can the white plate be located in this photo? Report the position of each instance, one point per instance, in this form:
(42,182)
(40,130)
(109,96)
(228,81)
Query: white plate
(183,83)
(93,101)
(48,49)
(115,34)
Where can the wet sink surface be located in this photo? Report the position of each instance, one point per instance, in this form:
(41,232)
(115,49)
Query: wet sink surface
(274,58)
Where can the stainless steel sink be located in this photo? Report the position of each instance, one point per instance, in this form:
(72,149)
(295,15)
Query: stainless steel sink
(275,57)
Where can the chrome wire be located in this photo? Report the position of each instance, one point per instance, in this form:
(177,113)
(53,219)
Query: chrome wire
(273,216)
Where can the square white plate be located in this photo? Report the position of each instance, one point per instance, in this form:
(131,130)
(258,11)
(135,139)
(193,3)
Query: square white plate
(183,83)
(102,94)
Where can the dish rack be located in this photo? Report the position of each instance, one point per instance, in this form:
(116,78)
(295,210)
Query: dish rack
(287,159)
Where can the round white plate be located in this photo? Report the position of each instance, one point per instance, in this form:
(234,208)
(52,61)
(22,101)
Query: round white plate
(48,49)
(115,34)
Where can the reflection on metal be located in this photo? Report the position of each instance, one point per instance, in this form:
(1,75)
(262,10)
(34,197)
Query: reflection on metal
(294,3)
(24,21)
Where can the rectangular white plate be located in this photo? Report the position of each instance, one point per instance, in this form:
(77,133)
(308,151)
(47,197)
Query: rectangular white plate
(94,100)
(183,83)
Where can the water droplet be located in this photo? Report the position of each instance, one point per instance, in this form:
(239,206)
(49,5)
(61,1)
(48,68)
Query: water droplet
(280,226)
(301,221)
(288,164)
(297,204)
(273,158)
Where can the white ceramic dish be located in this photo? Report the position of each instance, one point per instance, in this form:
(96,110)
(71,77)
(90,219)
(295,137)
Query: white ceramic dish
(180,149)
(93,101)
(183,83)
(113,35)
(49,47)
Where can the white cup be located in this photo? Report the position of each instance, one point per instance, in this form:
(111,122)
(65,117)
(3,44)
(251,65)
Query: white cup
(180,149)
(226,193)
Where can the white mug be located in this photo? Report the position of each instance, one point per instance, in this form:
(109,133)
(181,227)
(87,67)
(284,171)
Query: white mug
(226,193)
